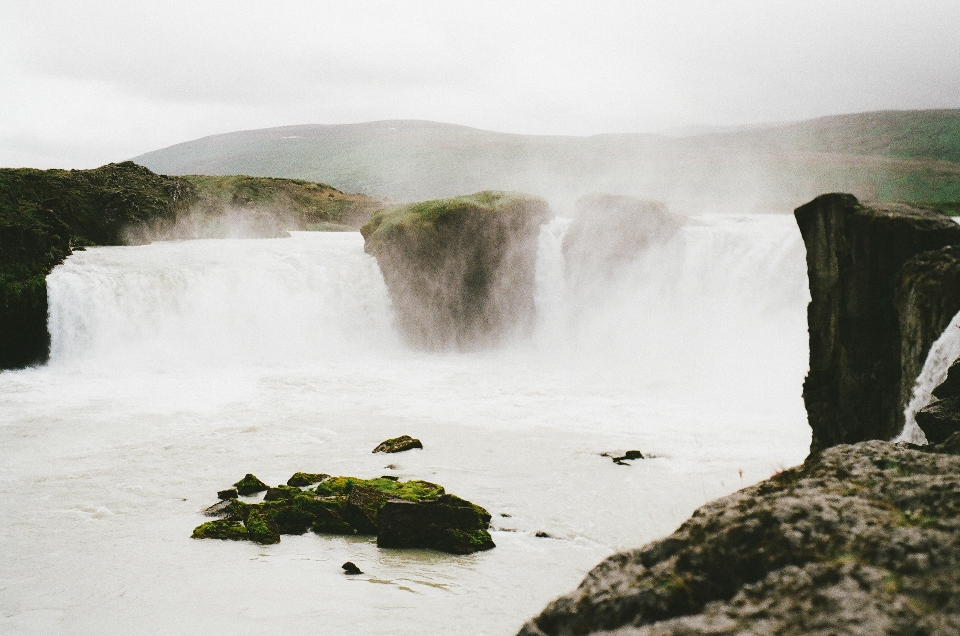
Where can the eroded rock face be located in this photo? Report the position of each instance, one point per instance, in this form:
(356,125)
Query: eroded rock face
(859,357)
(609,231)
(460,271)
(861,539)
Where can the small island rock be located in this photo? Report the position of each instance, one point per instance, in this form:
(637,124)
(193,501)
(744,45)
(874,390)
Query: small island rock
(250,485)
(398,444)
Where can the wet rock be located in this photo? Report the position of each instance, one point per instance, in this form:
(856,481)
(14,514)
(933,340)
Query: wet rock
(306,479)
(361,508)
(542,535)
(940,420)
(250,485)
(460,271)
(950,387)
(261,527)
(860,539)
(448,523)
(222,508)
(231,530)
(229,493)
(350,568)
(390,477)
(856,389)
(281,492)
(398,445)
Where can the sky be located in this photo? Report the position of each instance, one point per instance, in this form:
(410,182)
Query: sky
(86,83)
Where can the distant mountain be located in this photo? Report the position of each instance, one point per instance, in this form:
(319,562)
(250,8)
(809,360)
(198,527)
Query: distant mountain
(894,155)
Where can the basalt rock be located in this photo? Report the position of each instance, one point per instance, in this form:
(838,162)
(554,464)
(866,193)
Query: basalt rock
(860,539)
(398,445)
(448,524)
(460,271)
(609,231)
(873,311)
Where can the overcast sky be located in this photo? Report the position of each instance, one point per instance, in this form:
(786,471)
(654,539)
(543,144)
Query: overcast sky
(85,83)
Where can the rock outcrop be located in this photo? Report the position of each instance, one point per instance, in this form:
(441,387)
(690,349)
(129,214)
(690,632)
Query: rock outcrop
(608,231)
(403,514)
(874,272)
(860,539)
(460,271)
(398,444)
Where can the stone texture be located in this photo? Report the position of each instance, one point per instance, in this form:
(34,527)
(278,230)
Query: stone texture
(448,523)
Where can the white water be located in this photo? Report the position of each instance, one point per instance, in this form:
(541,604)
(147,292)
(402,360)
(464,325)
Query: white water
(178,367)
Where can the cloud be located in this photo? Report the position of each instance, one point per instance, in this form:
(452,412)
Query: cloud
(103,80)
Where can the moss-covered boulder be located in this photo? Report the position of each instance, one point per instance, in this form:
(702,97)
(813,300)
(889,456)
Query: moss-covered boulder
(447,523)
(306,479)
(250,485)
(221,529)
(349,505)
(460,271)
(398,444)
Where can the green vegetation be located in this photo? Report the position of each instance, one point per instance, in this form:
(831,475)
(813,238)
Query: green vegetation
(428,518)
(306,479)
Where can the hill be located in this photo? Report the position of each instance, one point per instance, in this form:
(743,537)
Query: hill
(911,156)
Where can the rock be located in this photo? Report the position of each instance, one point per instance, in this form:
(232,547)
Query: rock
(306,479)
(855,253)
(951,386)
(860,539)
(281,492)
(448,524)
(222,508)
(229,493)
(361,508)
(222,529)
(350,568)
(609,231)
(250,485)
(398,445)
(261,527)
(940,420)
(927,296)
(460,271)
(542,535)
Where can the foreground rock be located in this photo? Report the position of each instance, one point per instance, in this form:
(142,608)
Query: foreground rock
(882,290)
(460,271)
(861,539)
(403,514)
(398,445)
(609,231)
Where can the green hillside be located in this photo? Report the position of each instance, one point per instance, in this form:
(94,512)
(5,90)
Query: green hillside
(910,156)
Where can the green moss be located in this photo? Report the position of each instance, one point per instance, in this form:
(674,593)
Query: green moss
(261,527)
(220,529)
(306,479)
(414,490)
(250,485)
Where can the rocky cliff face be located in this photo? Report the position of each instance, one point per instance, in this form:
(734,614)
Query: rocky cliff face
(862,363)
(46,213)
(860,539)
(460,271)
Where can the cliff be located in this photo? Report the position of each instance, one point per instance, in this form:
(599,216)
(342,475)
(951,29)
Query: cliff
(44,214)
(862,360)
(460,271)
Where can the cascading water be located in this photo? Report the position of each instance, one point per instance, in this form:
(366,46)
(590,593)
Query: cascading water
(178,367)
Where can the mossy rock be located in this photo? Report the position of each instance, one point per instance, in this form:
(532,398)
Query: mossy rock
(261,527)
(398,444)
(413,490)
(306,479)
(460,271)
(448,523)
(281,492)
(250,485)
(221,529)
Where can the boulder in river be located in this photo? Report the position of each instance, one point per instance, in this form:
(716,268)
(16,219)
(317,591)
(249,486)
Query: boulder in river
(447,523)
(460,271)
(250,485)
(398,444)
(306,479)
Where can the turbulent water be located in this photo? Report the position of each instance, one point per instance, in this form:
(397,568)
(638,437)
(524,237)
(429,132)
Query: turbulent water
(179,366)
